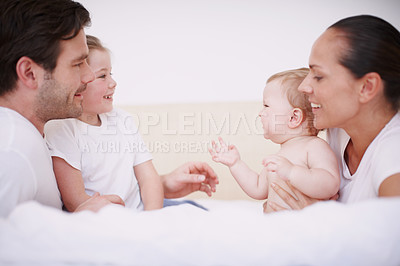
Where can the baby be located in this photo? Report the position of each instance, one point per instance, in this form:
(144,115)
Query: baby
(304,160)
(102,151)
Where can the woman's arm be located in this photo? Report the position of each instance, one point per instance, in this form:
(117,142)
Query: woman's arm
(151,189)
(390,187)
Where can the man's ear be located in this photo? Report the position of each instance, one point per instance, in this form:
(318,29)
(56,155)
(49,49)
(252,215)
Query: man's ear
(296,118)
(27,72)
(371,85)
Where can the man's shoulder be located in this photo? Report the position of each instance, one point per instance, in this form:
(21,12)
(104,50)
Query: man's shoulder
(17,132)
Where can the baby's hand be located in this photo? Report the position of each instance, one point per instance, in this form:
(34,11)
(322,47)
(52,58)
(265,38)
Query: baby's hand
(278,164)
(227,155)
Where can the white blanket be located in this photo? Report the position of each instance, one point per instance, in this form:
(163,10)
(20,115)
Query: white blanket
(231,233)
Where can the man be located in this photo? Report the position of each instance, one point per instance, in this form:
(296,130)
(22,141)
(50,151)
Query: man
(43,71)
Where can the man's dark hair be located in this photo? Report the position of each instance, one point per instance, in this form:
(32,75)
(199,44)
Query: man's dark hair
(34,28)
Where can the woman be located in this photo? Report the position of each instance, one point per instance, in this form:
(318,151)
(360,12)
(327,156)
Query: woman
(354,89)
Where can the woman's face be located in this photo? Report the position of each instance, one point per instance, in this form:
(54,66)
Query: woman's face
(331,88)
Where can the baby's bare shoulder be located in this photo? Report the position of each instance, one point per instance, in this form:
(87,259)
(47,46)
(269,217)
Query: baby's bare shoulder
(314,143)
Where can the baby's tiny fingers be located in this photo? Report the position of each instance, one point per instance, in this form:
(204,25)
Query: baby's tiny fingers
(221,141)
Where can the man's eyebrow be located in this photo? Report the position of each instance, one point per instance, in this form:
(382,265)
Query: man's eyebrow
(82,57)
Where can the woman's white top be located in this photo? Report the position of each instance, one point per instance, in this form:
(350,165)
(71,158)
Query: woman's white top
(380,161)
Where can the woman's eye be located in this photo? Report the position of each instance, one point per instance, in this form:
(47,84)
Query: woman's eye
(102,77)
(317,78)
(266,105)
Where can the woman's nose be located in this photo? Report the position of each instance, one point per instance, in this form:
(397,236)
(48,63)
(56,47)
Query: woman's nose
(305,86)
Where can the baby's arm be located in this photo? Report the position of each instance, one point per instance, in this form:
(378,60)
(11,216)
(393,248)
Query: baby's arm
(151,189)
(320,180)
(255,185)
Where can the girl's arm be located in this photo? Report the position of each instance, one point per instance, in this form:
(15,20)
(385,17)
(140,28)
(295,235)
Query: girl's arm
(72,189)
(151,189)
(70,184)
(256,186)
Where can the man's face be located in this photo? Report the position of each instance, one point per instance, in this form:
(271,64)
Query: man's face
(59,94)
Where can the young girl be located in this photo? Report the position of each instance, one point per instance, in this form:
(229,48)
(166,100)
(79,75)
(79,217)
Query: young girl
(102,151)
(304,160)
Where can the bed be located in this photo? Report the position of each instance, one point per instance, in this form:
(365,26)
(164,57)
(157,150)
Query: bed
(229,233)
(233,232)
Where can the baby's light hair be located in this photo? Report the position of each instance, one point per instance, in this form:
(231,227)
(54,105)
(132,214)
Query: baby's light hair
(290,81)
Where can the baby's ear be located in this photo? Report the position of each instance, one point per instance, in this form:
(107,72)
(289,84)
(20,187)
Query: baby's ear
(296,118)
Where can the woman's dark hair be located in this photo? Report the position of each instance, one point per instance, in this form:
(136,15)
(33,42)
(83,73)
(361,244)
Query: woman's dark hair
(34,28)
(374,46)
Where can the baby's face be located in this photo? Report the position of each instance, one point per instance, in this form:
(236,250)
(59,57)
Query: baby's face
(276,112)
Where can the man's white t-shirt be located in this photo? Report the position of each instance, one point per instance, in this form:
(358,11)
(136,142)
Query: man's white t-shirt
(104,154)
(380,161)
(26,169)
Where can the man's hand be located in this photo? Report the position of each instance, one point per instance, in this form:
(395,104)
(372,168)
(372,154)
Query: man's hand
(188,178)
(96,202)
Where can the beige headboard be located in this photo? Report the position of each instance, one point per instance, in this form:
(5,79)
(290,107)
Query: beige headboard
(177,133)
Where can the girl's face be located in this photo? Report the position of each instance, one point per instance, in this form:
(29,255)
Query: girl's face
(331,88)
(98,97)
(276,112)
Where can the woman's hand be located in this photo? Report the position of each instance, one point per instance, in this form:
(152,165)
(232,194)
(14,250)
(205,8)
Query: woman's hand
(188,178)
(301,202)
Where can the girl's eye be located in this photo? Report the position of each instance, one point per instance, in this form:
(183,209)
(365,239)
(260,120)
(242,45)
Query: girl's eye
(317,78)
(102,77)
(266,105)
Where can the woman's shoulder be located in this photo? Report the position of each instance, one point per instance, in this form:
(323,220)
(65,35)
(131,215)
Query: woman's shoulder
(394,123)
(390,134)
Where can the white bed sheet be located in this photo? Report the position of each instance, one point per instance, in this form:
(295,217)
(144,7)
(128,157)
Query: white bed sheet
(231,233)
